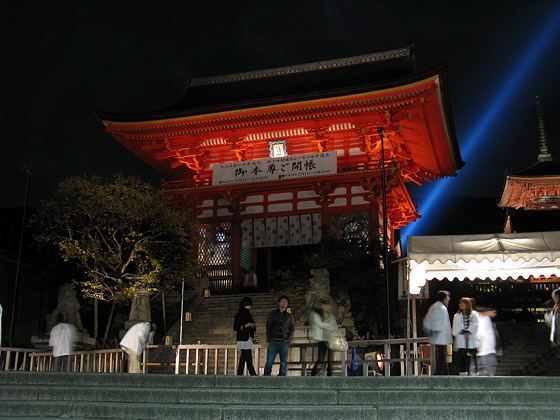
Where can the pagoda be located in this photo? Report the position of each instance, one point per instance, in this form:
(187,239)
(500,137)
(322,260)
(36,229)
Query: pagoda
(285,156)
(536,188)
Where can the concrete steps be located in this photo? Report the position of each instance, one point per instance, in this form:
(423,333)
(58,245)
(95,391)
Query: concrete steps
(32,395)
(526,350)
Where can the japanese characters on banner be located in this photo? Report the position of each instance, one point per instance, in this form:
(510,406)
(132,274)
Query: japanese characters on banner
(297,166)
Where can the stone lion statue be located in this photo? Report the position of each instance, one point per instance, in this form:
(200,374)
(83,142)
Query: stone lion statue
(67,309)
(319,287)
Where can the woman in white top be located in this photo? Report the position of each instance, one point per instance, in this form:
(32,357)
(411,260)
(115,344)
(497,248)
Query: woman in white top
(323,324)
(465,326)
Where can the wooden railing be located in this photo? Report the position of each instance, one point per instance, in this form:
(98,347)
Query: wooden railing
(12,358)
(211,359)
(100,361)
(204,359)
(411,363)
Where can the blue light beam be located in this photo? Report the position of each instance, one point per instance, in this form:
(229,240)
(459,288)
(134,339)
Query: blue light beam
(480,130)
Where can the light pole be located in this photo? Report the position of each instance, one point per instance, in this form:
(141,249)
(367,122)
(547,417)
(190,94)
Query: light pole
(20,250)
(385,241)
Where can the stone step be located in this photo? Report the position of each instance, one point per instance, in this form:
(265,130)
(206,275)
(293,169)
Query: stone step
(94,396)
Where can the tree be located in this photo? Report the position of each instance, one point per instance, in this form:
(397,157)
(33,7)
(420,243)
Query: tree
(124,234)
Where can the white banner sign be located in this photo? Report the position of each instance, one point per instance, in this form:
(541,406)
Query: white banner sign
(268,169)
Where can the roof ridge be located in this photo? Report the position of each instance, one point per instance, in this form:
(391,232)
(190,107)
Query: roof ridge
(301,68)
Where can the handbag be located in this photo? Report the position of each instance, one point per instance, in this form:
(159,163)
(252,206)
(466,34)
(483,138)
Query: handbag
(256,339)
(337,343)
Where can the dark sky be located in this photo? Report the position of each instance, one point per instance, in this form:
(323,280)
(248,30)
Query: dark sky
(61,60)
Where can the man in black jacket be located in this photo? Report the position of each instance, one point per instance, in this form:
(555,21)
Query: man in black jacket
(279,334)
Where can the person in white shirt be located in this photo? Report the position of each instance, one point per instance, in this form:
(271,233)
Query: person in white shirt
(487,339)
(62,339)
(134,342)
(323,325)
(437,322)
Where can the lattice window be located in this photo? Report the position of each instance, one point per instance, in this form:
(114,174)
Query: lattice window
(350,226)
(215,247)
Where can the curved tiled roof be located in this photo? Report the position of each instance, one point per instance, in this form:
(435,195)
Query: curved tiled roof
(284,84)
(539,169)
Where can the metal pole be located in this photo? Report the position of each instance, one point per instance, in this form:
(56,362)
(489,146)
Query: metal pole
(407,330)
(12,322)
(385,241)
(182,313)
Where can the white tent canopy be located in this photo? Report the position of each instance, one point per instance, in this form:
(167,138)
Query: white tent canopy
(492,256)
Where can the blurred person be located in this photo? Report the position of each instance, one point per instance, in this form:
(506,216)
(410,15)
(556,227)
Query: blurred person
(473,367)
(62,340)
(438,326)
(465,326)
(552,319)
(245,326)
(487,342)
(279,334)
(134,342)
(250,280)
(323,324)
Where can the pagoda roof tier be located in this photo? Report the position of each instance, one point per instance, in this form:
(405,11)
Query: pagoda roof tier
(538,186)
(537,192)
(539,169)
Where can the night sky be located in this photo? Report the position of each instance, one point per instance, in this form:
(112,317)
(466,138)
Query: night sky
(62,60)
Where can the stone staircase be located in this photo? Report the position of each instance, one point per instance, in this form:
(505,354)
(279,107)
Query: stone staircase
(526,350)
(46,395)
(212,319)
(212,323)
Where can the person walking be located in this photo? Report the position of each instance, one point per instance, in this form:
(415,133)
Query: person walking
(250,282)
(134,342)
(323,324)
(245,326)
(487,339)
(465,326)
(552,319)
(279,334)
(62,339)
(438,327)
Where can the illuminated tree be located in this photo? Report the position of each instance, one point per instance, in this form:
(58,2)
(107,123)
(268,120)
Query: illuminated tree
(124,234)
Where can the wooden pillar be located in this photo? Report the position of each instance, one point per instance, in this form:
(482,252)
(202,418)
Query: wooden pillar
(373,221)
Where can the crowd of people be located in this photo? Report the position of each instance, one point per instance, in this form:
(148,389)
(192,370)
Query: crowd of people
(472,334)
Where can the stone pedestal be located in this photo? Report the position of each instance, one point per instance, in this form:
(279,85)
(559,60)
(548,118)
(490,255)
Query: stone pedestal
(139,311)
(83,341)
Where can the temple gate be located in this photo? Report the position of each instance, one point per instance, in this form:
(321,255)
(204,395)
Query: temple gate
(283,157)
